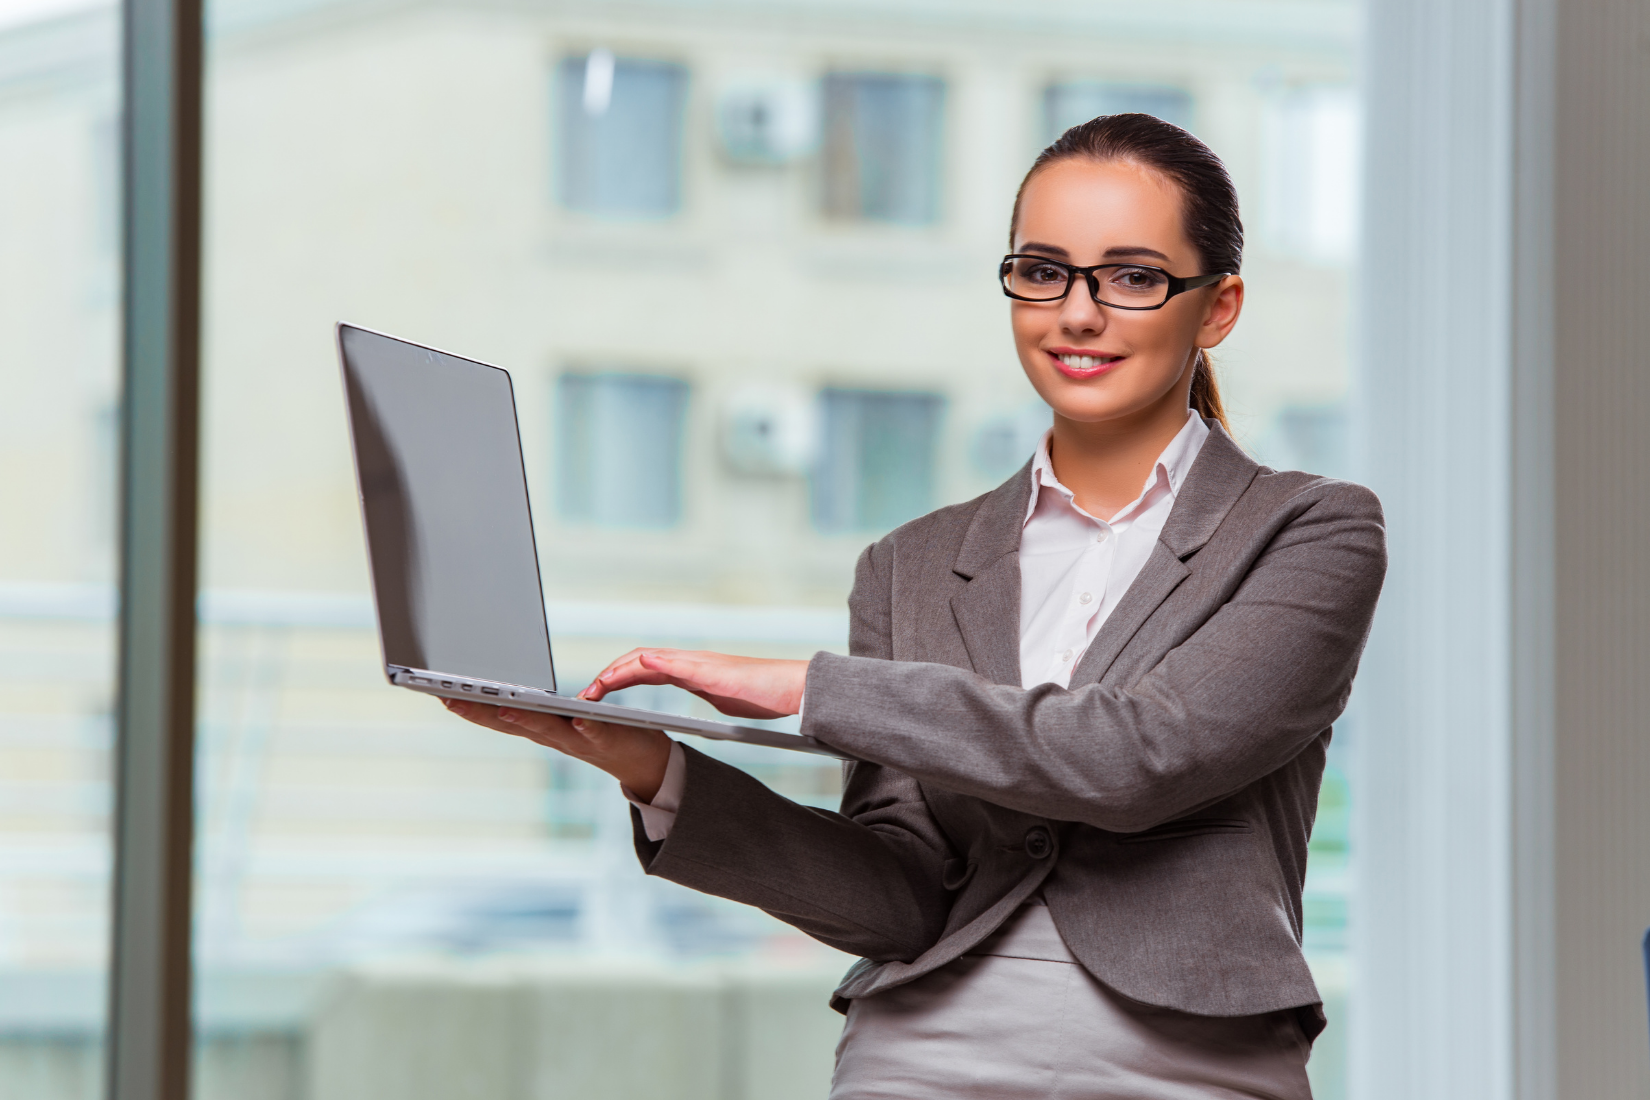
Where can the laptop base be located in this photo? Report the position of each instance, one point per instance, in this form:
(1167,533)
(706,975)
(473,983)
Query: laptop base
(447,686)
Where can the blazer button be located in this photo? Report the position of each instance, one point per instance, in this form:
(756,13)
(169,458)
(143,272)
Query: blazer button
(1039,845)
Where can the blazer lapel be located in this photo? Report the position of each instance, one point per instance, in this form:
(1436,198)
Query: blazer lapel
(988,614)
(1215,482)
(987,611)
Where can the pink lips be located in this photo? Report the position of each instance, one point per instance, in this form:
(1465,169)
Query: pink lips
(1081,372)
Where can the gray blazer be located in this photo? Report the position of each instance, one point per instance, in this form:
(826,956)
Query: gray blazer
(1162,803)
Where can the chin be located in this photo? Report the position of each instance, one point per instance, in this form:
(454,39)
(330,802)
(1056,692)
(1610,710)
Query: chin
(1093,401)
(1088,414)
(1090,407)
(1080,401)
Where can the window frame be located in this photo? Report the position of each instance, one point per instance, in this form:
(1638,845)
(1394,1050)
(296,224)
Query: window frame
(150,1026)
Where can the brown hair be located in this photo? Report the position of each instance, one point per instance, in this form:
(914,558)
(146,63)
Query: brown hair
(1211,210)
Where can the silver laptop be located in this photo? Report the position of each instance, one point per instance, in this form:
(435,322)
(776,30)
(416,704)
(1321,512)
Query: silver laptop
(455,572)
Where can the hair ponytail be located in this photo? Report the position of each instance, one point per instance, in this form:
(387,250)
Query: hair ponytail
(1210,209)
(1205,396)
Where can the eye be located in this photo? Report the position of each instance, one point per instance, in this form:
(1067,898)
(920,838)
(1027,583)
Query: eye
(1043,273)
(1136,279)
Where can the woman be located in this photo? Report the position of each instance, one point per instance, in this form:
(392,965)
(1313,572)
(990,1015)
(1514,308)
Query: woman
(1090,707)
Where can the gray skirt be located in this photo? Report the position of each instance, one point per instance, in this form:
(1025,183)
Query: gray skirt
(1019,1017)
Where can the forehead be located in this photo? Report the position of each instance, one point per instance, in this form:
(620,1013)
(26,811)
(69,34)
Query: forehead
(1087,207)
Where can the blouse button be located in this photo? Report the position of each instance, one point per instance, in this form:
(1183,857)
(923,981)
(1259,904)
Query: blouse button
(1087,597)
(1066,656)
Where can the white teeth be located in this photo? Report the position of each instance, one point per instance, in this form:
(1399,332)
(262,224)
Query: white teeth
(1081,362)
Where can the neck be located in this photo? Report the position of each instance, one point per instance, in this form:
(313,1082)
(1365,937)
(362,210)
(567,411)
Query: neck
(1105,464)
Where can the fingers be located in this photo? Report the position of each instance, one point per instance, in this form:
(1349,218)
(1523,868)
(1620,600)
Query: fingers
(743,687)
(639,666)
(482,714)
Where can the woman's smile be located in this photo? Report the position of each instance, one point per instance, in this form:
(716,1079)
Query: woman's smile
(1082,363)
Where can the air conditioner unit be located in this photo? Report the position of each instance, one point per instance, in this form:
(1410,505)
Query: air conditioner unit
(768,121)
(770,429)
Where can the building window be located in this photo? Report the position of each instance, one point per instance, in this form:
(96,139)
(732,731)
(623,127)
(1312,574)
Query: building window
(877,459)
(621,135)
(619,449)
(882,146)
(1069,103)
(1312,195)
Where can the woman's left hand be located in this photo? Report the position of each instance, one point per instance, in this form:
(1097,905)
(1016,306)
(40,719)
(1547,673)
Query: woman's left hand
(743,687)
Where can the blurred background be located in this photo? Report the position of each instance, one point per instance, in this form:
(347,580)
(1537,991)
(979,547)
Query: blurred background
(739,257)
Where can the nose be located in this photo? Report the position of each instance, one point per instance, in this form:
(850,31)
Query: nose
(1080,314)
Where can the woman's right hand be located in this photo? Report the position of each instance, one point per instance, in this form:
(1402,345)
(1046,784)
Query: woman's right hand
(634,756)
(742,687)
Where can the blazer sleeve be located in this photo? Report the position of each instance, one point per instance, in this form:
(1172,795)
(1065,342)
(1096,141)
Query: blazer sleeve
(867,880)
(1261,678)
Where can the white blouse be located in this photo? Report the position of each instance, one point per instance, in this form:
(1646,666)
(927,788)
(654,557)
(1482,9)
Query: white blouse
(1074,568)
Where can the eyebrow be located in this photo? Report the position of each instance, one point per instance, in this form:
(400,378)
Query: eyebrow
(1057,252)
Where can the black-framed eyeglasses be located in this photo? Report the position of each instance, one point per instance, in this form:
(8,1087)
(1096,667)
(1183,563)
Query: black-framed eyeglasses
(1122,286)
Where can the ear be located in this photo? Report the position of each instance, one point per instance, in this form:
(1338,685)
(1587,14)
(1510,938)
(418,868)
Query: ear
(1222,313)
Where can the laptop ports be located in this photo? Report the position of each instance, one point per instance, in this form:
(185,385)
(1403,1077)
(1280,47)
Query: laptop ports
(489,691)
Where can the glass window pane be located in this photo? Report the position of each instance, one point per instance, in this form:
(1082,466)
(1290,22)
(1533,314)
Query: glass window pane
(59,423)
(621,134)
(882,146)
(620,449)
(1311,138)
(876,465)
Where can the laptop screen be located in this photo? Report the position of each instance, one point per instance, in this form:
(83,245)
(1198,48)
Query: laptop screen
(449,533)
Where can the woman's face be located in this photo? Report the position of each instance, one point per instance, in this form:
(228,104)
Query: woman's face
(1095,363)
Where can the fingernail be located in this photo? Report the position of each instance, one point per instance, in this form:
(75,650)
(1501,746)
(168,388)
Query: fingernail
(578,724)
(507,715)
